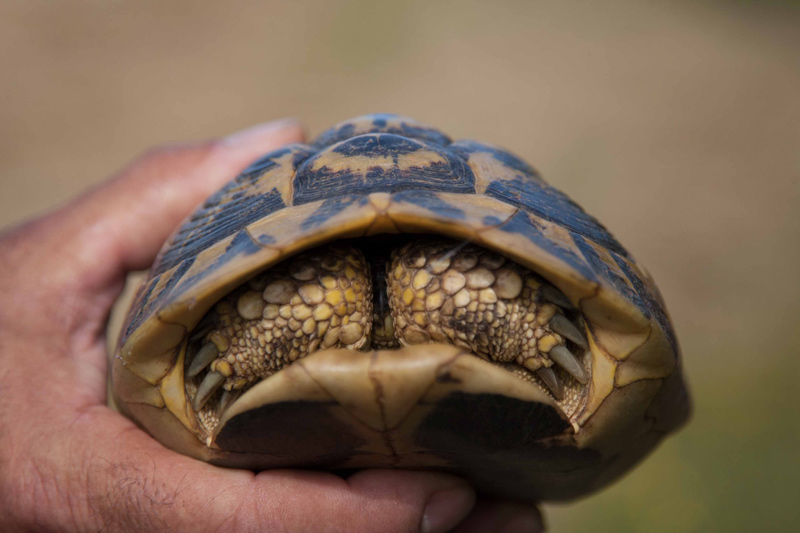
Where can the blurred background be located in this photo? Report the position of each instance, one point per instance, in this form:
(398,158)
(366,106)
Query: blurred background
(675,123)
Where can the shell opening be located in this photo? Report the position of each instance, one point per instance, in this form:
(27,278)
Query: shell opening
(384,293)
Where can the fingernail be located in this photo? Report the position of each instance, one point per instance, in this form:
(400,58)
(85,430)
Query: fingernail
(445,509)
(523,522)
(259,130)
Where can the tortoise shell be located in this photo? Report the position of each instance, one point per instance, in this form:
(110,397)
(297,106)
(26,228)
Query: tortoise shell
(431,404)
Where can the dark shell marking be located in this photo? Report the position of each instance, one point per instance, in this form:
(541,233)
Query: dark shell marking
(375,163)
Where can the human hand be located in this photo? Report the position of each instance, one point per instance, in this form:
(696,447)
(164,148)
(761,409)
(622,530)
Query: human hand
(68,462)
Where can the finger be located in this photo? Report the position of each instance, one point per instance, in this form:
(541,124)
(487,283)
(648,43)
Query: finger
(130,482)
(502,517)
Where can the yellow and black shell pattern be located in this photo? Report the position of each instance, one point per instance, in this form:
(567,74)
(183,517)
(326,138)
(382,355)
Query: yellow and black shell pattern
(440,408)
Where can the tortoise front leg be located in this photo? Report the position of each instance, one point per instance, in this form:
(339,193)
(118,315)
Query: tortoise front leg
(476,299)
(318,299)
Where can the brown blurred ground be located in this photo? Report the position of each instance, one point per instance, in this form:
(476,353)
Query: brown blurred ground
(678,125)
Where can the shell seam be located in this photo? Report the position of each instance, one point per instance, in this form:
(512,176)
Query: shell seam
(378,390)
(326,391)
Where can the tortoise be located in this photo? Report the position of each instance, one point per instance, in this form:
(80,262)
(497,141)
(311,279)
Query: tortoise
(387,297)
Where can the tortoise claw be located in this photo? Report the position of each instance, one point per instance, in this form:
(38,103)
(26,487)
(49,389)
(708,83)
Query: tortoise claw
(201,332)
(551,380)
(228,397)
(562,325)
(204,357)
(556,297)
(204,327)
(569,362)
(206,389)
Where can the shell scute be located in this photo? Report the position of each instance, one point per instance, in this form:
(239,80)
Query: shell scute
(508,178)
(259,190)
(534,230)
(461,216)
(553,205)
(381,123)
(380,162)
(226,218)
(650,297)
(432,202)
(472,150)
(329,208)
(241,244)
(619,272)
(602,262)
(151,296)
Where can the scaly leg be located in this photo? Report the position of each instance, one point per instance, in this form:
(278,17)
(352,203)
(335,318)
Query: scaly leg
(319,299)
(476,299)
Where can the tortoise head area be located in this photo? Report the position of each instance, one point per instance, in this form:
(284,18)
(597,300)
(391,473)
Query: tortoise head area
(383,293)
